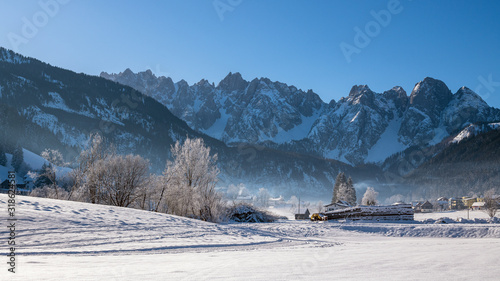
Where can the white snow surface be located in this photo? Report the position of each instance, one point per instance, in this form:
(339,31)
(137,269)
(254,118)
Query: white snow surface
(63,240)
(387,144)
(473,130)
(34,161)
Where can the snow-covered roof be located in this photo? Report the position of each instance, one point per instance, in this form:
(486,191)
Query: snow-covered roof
(339,203)
(478,204)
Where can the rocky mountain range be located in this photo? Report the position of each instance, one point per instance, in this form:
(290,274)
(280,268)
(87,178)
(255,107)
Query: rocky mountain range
(44,106)
(363,127)
(267,134)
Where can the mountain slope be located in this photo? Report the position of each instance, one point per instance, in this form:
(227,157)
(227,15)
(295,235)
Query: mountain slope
(363,127)
(49,107)
(467,163)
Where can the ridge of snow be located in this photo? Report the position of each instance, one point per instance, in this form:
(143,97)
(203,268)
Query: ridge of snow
(473,130)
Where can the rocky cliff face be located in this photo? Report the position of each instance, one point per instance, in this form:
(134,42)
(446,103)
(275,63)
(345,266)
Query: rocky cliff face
(363,127)
(43,106)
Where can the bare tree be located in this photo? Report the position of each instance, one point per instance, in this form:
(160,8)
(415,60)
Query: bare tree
(491,201)
(48,172)
(54,156)
(125,179)
(370,197)
(95,151)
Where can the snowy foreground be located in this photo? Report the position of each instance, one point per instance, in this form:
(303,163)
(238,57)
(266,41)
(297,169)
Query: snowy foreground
(61,240)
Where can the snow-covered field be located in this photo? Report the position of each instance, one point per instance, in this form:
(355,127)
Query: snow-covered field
(61,240)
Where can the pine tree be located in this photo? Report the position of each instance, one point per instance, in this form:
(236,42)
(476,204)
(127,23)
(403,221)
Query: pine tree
(340,183)
(344,190)
(17,157)
(351,193)
(3,158)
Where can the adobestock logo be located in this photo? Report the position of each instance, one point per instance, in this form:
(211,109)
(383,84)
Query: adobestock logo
(31,26)
(488,84)
(223,6)
(363,37)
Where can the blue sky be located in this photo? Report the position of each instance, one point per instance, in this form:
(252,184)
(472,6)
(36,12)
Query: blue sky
(296,42)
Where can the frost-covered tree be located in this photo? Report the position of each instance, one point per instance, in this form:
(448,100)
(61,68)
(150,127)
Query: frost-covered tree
(344,190)
(370,197)
(340,183)
(54,157)
(46,177)
(491,201)
(84,189)
(50,191)
(351,192)
(124,180)
(189,182)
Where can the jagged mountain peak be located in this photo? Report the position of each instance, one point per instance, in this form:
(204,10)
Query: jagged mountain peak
(466,92)
(397,95)
(363,126)
(398,89)
(127,71)
(359,89)
(233,82)
(361,94)
(396,92)
(430,96)
(430,89)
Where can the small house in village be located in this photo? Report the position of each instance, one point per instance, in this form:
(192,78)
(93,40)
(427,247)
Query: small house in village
(425,207)
(468,201)
(337,206)
(21,188)
(442,203)
(455,204)
(304,216)
(478,205)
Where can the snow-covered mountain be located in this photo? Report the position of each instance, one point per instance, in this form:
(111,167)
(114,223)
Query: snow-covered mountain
(235,110)
(468,162)
(363,127)
(43,106)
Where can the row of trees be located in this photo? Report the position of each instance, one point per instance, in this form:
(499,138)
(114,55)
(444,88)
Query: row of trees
(17,155)
(186,187)
(343,190)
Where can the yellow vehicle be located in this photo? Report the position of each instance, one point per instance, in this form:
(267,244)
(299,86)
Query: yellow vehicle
(318,217)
